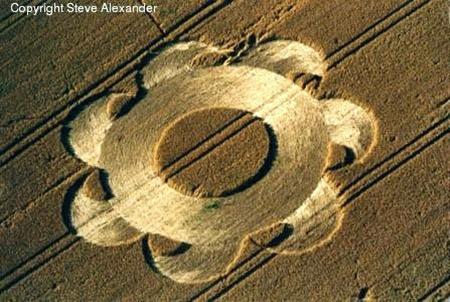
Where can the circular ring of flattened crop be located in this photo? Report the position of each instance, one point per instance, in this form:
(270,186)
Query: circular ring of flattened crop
(195,237)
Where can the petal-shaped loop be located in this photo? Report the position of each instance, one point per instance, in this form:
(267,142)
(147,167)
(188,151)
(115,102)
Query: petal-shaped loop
(312,224)
(349,125)
(173,60)
(286,58)
(87,131)
(197,263)
(99,223)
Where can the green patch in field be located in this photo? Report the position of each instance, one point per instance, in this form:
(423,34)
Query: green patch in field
(211,205)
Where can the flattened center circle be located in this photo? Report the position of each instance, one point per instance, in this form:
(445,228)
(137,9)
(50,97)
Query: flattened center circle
(213,152)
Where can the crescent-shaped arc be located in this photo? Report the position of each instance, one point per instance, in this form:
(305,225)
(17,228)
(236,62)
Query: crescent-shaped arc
(286,58)
(88,130)
(99,223)
(313,223)
(349,125)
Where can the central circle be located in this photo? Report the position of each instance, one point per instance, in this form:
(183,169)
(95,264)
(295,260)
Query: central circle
(213,152)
